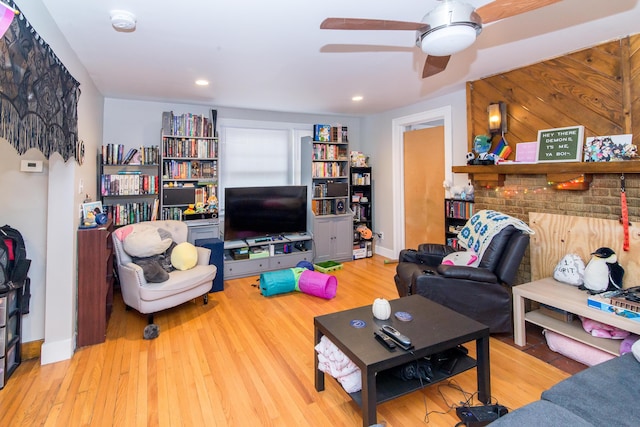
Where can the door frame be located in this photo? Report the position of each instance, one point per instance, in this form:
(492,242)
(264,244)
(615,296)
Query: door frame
(400,125)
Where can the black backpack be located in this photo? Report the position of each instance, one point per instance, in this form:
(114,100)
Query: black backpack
(14,264)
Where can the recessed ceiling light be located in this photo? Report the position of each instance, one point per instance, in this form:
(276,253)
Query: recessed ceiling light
(357,98)
(202,82)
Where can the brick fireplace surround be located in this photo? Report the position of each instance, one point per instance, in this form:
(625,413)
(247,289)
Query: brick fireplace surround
(522,194)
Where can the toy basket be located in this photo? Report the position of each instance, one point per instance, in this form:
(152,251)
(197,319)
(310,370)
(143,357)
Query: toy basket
(327,266)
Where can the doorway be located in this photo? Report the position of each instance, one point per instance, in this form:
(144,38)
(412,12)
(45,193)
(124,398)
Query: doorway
(423,190)
(439,116)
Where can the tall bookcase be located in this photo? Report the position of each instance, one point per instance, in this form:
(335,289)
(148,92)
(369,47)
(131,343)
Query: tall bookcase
(456,214)
(189,161)
(362,207)
(329,170)
(128,183)
(325,169)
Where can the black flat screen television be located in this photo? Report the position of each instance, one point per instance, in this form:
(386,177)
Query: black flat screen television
(251,212)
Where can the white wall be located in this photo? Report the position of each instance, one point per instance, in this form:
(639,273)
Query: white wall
(24,207)
(377,137)
(136,123)
(44,207)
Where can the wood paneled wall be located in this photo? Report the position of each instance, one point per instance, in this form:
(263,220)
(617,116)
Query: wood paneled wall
(598,87)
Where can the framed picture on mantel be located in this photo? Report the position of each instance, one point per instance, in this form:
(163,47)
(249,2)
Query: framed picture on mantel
(561,144)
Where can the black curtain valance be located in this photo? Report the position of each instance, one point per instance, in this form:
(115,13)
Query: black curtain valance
(38,96)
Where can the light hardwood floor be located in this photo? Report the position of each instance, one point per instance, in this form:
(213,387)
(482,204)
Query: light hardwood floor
(241,360)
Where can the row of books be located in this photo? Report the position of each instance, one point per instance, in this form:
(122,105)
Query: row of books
(330,133)
(193,169)
(203,193)
(127,184)
(454,243)
(360,213)
(361,178)
(328,207)
(329,152)
(171,213)
(320,190)
(113,154)
(131,213)
(458,209)
(190,147)
(329,170)
(187,124)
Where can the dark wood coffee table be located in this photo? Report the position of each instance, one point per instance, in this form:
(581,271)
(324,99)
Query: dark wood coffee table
(434,328)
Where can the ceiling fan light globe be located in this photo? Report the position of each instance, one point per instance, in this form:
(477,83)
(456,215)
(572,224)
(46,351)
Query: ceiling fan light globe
(448,40)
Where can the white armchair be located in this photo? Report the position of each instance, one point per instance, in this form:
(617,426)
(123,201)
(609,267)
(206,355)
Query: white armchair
(182,286)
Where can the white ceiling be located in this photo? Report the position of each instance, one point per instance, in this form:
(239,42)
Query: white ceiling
(272,55)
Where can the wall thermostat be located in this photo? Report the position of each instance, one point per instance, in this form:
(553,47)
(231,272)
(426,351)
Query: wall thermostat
(31,165)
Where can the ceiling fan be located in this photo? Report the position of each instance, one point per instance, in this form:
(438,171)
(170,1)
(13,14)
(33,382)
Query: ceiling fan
(449,28)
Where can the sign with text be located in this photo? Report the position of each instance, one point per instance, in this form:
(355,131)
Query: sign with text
(561,144)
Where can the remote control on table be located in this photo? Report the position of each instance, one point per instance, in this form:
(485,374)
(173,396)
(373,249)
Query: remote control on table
(396,335)
(385,340)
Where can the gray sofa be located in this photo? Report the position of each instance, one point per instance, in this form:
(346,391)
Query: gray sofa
(603,395)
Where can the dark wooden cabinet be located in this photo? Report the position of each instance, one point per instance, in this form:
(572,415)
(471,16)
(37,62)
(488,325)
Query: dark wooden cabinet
(95,283)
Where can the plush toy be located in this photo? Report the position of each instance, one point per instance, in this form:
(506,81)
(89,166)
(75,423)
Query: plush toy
(146,240)
(603,273)
(184,256)
(150,248)
(570,270)
(627,343)
(468,192)
(466,258)
(601,330)
(365,232)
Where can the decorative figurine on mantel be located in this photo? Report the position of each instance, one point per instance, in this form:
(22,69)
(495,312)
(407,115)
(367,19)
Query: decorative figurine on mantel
(481,147)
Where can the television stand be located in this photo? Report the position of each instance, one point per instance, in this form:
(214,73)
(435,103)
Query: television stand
(254,256)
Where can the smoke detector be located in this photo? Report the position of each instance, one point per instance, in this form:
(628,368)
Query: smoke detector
(123,21)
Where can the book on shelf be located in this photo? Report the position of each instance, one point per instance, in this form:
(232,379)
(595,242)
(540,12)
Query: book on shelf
(129,156)
(113,154)
(461,209)
(339,133)
(130,213)
(154,211)
(322,133)
(187,124)
(361,178)
(556,313)
(189,147)
(128,184)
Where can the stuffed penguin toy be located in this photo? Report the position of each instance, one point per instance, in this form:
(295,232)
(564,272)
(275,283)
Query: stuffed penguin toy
(603,273)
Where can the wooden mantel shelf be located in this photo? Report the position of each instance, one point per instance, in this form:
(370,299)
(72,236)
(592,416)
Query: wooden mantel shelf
(630,166)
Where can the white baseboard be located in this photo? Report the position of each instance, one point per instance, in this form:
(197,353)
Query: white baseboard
(56,351)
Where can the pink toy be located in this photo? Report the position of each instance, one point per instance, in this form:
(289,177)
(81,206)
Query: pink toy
(601,330)
(318,284)
(625,345)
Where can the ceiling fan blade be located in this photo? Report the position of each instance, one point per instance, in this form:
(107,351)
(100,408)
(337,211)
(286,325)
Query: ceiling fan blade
(434,64)
(500,9)
(368,24)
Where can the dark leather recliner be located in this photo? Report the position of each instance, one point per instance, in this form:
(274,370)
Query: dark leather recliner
(481,292)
